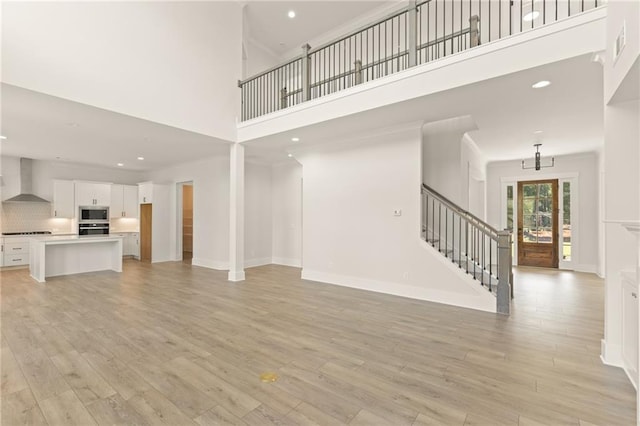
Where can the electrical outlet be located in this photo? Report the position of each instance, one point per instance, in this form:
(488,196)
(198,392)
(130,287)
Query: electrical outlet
(397,212)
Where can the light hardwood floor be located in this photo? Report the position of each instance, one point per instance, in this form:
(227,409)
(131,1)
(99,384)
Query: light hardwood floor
(178,345)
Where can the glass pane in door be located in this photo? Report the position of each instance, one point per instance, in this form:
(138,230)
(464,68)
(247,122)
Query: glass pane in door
(537,206)
(566,221)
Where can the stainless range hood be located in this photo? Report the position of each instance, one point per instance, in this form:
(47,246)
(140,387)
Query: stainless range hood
(26,195)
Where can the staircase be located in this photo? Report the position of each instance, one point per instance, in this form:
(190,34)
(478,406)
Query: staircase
(474,246)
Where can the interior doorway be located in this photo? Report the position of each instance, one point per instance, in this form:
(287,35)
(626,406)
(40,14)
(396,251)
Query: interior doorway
(538,212)
(187,222)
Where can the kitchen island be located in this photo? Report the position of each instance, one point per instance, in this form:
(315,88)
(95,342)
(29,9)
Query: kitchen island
(73,254)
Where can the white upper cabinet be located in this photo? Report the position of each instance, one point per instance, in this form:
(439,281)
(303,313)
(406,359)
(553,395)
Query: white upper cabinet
(130,201)
(124,201)
(145,193)
(116,208)
(63,192)
(93,194)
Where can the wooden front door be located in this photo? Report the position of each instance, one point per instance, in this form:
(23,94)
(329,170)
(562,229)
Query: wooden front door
(538,223)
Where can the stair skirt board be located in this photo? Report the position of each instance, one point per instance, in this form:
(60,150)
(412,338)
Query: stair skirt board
(481,301)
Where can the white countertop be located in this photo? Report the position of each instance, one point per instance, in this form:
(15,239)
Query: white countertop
(36,235)
(55,239)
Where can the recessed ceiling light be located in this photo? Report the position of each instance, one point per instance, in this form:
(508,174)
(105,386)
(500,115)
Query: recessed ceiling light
(295,139)
(289,155)
(537,132)
(531,16)
(120,164)
(3,137)
(140,158)
(541,84)
(291,14)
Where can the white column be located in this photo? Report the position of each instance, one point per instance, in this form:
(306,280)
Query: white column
(236,214)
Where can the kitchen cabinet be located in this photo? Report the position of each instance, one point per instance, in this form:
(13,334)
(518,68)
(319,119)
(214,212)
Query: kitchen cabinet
(130,243)
(93,194)
(15,251)
(145,193)
(63,199)
(124,201)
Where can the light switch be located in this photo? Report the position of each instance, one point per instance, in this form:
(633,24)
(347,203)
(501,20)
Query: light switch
(397,212)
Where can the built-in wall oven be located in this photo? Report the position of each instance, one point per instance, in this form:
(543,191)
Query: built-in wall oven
(93,228)
(93,220)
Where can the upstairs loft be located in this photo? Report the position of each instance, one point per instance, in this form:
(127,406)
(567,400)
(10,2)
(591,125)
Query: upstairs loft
(424,48)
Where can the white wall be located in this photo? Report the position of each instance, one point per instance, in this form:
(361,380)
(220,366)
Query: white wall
(473,177)
(175,63)
(257,214)
(441,159)
(287,214)
(257,58)
(210,177)
(350,234)
(621,163)
(447,158)
(585,255)
(619,13)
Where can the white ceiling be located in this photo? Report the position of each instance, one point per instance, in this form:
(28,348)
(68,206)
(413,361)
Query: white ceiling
(270,26)
(45,127)
(507,112)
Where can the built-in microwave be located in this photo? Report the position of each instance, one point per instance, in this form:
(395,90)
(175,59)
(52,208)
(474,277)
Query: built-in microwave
(93,214)
(94,228)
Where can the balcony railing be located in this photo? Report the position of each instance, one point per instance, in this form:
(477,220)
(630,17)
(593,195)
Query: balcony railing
(422,32)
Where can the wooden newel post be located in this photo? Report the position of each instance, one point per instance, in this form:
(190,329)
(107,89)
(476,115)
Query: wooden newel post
(412,43)
(504,272)
(283,98)
(474,32)
(357,73)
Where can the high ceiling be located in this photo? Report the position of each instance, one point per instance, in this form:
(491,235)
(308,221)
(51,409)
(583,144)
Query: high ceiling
(506,110)
(45,127)
(270,26)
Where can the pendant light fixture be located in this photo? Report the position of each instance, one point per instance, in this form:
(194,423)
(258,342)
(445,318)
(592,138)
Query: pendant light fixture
(537,164)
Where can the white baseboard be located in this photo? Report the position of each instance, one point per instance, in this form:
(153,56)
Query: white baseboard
(404,290)
(250,263)
(224,266)
(611,354)
(236,275)
(211,264)
(632,375)
(591,269)
(285,261)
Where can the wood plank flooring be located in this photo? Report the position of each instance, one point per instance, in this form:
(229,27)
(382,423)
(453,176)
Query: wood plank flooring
(172,344)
